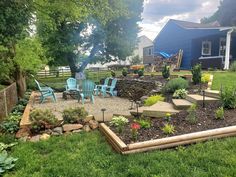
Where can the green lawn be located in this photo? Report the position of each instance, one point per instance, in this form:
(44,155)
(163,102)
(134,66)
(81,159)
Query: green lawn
(224,78)
(88,154)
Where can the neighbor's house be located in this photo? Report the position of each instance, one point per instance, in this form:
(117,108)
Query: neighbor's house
(143,41)
(209,44)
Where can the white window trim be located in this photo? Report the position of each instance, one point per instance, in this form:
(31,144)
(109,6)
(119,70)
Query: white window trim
(209,43)
(222,39)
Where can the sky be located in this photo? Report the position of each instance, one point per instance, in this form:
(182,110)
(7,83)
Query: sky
(156,13)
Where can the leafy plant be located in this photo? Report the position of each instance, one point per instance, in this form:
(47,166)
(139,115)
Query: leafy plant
(9,127)
(180,94)
(134,130)
(168,117)
(228,98)
(140,72)
(197,73)
(6,162)
(73,115)
(113,74)
(205,78)
(168,129)
(19,108)
(153,99)
(219,114)
(124,71)
(43,115)
(233,67)
(175,84)
(23,101)
(166,71)
(144,123)
(192,114)
(119,122)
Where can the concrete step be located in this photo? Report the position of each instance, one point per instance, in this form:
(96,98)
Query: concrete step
(181,104)
(157,110)
(212,93)
(198,99)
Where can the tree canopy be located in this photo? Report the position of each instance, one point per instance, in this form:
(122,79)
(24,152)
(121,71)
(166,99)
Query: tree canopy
(225,15)
(103,30)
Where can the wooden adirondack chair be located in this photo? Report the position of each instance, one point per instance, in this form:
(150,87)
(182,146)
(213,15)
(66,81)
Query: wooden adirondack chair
(45,92)
(72,85)
(109,89)
(87,90)
(98,88)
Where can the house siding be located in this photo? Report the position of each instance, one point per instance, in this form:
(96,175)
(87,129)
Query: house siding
(173,37)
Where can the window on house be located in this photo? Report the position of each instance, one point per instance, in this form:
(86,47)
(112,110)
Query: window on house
(222,47)
(206,48)
(149,51)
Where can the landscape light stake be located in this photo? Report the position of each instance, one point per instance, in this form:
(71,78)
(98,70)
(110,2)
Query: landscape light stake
(103,112)
(203,101)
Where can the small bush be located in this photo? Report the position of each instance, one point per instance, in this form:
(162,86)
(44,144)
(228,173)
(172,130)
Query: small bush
(192,114)
(219,114)
(205,78)
(119,122)
(233,67)
(73,115)
(197,73)
(113,74)
(144,123)
(11,124)
(175,84)
(166,71)
(168,129)
(140,72)
(19,108)
(228,98)
(180,94)
(124,71)
(153,99)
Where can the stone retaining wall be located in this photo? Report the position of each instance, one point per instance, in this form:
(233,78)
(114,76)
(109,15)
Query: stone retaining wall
(8,99)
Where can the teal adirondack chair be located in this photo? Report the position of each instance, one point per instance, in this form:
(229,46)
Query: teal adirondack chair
(109,89)
(72,85)
(98,88)
(45,92)
(87,91)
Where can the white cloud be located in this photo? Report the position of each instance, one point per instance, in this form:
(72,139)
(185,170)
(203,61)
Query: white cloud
(158,12)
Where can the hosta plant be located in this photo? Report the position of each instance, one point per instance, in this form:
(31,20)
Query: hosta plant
(119,122)
(180,94)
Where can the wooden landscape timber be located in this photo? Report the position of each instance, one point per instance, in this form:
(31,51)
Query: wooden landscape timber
(164,143)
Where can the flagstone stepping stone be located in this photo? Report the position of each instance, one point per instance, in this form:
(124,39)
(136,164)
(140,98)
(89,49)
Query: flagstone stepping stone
(198,99)
(157,110)
(181,103)
(71,127)
(212,93)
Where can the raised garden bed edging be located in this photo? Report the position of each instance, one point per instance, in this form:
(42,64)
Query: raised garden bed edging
(164,143)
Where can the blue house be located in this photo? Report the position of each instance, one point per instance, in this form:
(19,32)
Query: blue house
(209,44)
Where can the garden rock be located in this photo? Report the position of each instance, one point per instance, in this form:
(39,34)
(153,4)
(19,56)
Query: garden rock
(76,131)
(93,124)
(55,134)
(35,138)
(24,132)
(44,136)
(88,118)
(86,128)
(58,130)
(71,127)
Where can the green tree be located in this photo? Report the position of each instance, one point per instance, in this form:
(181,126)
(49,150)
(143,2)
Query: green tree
(105,30)
(18,53)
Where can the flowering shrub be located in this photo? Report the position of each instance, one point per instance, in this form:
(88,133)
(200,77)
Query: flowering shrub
(134,130)
(205,78)
(119,122)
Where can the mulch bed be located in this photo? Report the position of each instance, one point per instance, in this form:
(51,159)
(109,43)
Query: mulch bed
(205,121)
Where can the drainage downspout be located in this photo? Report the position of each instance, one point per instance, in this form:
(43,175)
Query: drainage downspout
(227,52)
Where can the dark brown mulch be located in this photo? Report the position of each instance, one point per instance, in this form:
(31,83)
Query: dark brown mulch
(205,121)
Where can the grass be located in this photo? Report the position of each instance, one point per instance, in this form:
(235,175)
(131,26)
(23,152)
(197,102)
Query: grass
(224,78)
(88,154)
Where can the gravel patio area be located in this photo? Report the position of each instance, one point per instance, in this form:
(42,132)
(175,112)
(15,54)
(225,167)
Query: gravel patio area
(113,105)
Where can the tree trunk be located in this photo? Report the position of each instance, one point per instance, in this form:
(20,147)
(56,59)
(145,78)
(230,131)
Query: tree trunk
(20,82)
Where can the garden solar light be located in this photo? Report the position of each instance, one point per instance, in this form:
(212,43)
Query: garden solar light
(103,111)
